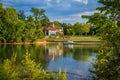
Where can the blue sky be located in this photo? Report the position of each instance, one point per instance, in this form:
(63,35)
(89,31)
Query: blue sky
(68,11)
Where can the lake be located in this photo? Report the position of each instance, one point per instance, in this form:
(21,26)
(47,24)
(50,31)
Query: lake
(75,59)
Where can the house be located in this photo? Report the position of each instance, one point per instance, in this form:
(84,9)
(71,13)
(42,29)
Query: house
(53,31)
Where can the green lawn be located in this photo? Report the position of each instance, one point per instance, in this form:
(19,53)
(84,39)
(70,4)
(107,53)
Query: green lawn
(84,38)
(76,38)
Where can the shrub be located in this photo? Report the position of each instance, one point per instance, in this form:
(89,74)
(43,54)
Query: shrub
(27,69)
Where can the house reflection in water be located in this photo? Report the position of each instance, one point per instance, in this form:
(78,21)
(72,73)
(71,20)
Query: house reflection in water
(53,51)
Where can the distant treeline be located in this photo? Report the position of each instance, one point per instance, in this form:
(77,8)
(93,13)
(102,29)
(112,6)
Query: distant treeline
(17,27)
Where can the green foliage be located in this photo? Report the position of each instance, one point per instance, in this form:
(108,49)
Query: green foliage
(107,64)
(38,13)
(9,69)
(61,75)
(80,28)
(86,28)
(16,27)
(21,15)
(27,69)
(45,21)
(57,23)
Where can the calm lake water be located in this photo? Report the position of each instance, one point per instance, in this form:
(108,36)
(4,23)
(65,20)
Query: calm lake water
(75,59)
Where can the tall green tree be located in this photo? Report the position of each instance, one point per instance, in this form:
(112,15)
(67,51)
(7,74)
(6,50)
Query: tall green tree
(69,29)
(39,29)
(57,23)
(21,15)
(2,24)
(38,13)
(64,25)
(86,28)
(45,21)
(29,31)
(81,28)
(40,20)
(107,64)
(11,19)
(16,27)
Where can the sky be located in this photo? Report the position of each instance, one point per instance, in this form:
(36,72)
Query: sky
(68,11)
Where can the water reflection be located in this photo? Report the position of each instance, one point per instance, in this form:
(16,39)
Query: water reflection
(53,51)
(73,58)
(76,59)
(80,53)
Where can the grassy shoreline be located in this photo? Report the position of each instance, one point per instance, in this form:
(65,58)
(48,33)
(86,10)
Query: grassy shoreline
(78,39)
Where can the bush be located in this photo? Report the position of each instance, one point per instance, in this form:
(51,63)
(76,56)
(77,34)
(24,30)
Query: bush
(27,69)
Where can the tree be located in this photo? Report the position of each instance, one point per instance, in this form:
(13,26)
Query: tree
(39,29)
(35,12)
(68,28)
(16,27)
(40,20)
(29,31)
(19,28)
(45,21)
(107,64)
(57,23)
(86,28)
(11,19)
(80,28)
(21,15)
(2,24)
(38,13)
(10,26)
(64,25)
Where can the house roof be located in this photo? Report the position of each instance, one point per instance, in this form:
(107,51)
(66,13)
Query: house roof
(52,28)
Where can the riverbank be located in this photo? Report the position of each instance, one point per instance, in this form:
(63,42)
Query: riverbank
(56,42)
(37,42)
(77,42)
(76,39)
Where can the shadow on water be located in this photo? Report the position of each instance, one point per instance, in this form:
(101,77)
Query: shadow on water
(75,59)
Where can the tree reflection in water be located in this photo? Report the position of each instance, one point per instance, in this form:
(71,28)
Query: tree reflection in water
(74,58)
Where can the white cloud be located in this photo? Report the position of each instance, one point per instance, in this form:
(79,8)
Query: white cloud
(84,13)
(58,8)
(67,19)
(57,4)
(65,5)
(58,1)
(73,18)
(82,1)
(49,0)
